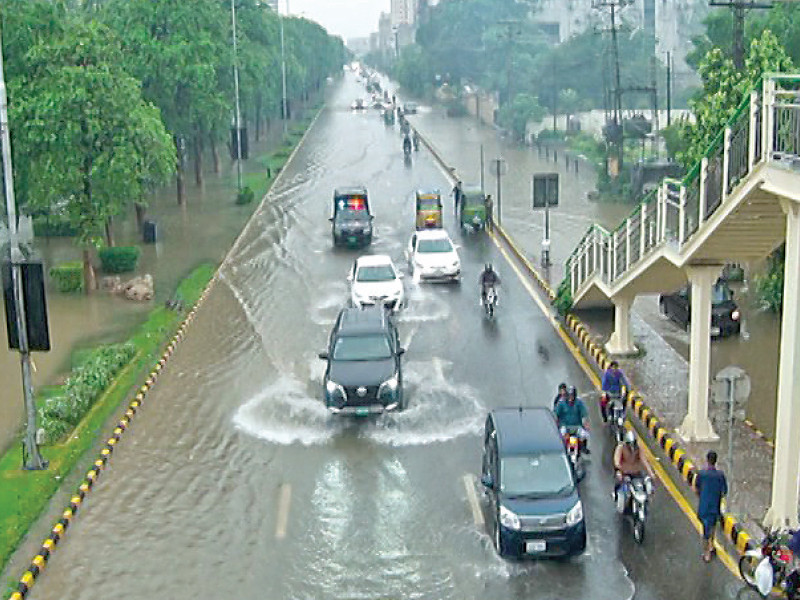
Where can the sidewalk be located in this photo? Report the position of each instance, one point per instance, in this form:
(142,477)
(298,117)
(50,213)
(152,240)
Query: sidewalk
(661,375)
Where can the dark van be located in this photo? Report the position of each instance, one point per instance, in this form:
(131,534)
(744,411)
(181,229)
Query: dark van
(535,509)
(351,221)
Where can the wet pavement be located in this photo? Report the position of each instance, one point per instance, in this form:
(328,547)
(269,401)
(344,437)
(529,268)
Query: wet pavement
(661,374)
(235,482)
(79,321)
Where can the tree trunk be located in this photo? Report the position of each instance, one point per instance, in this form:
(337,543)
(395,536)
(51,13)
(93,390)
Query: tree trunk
(109,227)
(198,157)
(258,119)
(214,154)
(179,171)
(89,279)
(140,214)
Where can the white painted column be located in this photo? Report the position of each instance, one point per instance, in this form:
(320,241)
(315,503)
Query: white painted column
(786,459)
(621,342)
(696,425)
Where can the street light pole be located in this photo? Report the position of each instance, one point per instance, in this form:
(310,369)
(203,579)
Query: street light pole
(284,103)
(32,458)
(236,94)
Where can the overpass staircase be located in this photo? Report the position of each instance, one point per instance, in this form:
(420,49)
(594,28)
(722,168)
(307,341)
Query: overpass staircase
(727,209)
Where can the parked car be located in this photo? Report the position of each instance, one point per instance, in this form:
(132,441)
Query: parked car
(534,506)
(364,373)
(725,315)
(374,280)
(432,255)
(351,221)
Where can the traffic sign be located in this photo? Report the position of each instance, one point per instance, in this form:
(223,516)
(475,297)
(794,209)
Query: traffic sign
(545,190)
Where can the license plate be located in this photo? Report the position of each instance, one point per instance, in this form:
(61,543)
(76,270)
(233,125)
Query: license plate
(352,239)
(535,546)
(715,331)
(362,412)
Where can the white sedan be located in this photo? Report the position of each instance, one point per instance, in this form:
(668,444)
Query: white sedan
(375,280)
(432,255)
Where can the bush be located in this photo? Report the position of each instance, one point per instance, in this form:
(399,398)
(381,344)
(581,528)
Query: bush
(246,196)
(60,413)
(563,301)
(68,276)
(119,259)
(53,226)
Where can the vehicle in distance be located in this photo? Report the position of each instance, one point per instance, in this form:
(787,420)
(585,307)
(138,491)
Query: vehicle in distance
(351,222)
(364,373)
(358,104)
(535,509)
(725,315)
(410,108)
(374,280)
(432,255)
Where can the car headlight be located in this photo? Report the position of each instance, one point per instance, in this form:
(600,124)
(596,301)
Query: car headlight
(334,388)
(735,315)
(456,264)
(509,519)
(575,515)
(389,387)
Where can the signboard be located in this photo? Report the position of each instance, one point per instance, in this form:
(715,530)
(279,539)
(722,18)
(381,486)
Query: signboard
(545,190)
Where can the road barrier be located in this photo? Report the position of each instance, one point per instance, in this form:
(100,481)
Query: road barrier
(596,353)
(59,530)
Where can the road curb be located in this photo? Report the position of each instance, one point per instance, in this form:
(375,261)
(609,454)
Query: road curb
(597,354)
(59,530)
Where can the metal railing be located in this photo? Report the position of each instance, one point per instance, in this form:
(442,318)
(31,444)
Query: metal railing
(768,117)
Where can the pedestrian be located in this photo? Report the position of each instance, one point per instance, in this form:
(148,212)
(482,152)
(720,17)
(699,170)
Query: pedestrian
(489,212)
(711,485)
(457,196)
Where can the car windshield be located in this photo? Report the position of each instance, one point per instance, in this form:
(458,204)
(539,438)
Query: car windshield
(545,474)
(375,273)
(351,215)
(473,199)
(441,245)
(720,294)
(428,204)
(364,347)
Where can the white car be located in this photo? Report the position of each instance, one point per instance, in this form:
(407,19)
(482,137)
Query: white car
(375,280)
(432,255)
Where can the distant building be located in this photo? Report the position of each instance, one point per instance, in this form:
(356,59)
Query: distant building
(404,12)
(273,4)
(359,46)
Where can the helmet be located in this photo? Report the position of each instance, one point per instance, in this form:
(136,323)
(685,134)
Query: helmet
(630,438)
(488,267)
(562,386)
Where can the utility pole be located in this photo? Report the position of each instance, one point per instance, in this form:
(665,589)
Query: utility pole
(669,89)
(32,458)
(236,94)
(284,101)
(512,30)
(739,7)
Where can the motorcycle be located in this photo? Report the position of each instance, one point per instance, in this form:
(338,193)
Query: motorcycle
(633,496)
(770,566)
(407,147)
(614,411)
(490,302)
(415,140)
(574,451)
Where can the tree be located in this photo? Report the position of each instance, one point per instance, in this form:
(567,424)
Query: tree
(515,116)
(83,135)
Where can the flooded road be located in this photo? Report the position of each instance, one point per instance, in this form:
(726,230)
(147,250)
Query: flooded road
(235,482)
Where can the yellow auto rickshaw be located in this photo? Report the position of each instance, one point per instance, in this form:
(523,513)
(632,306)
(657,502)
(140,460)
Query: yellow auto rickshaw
(428,209)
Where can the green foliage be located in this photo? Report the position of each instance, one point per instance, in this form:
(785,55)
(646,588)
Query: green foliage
(119,259)
(769,286)
(246,196)
(68,276)
(515,116)
(563,301)
(675,143)
(53,226)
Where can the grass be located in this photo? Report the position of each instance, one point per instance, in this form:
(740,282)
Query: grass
(24,495)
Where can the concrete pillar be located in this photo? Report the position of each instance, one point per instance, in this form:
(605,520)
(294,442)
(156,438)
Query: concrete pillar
(786,460)
(696,425)
(621,343)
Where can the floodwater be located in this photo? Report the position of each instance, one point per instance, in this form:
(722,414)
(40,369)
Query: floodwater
(233,481)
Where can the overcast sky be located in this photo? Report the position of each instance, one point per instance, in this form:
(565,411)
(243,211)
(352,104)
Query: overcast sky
(347,18)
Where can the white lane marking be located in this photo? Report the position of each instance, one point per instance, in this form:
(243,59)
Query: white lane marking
(283,511)
(472,498)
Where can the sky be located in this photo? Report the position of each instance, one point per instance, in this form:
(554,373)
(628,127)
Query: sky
(347,18)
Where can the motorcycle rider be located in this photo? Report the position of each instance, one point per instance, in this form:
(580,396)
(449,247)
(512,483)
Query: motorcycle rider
(629,462)
(572,416)
(614,384)
(561,395)
(488,279)
(406,145)
(415,139)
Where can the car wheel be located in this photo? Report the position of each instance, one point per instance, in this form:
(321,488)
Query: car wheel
(498,541)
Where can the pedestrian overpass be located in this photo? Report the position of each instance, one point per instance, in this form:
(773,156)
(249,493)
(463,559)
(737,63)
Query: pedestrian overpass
(738,204)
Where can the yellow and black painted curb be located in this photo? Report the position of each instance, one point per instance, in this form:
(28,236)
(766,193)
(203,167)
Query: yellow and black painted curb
(59,530)
(597,353)
(61,526)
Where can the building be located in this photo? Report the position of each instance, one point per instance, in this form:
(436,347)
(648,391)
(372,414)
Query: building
(403,12)
(273,4)
(359,45)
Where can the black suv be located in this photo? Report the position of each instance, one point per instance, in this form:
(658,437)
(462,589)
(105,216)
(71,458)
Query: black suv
(535,509)
(364,374)
(725,316)
(351,219)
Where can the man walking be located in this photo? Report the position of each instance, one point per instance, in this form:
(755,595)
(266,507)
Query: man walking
(711,485)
